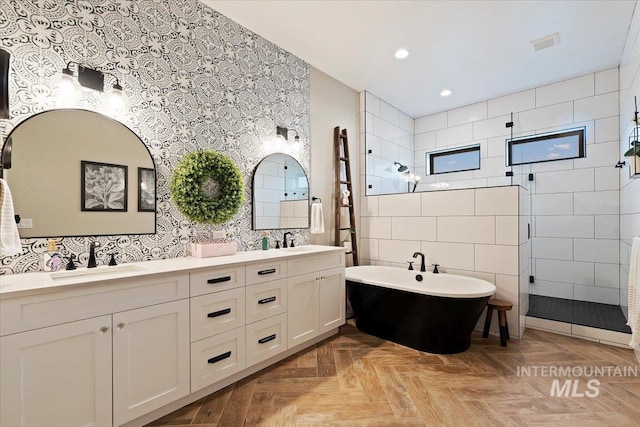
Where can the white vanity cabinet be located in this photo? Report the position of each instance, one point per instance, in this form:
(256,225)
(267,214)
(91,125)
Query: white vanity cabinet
(125,351)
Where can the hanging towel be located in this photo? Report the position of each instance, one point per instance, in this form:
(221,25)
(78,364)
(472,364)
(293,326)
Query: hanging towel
(317,218)
(9,237)
(634,295)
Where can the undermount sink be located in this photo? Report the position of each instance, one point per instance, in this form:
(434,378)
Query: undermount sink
(305,248)
(104,270)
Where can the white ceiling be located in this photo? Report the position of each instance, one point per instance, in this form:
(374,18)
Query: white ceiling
(479,49)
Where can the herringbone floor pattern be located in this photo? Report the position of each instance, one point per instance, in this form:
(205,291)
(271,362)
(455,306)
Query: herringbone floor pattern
(354,379)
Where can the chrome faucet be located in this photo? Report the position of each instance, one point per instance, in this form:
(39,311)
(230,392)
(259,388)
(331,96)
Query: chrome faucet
(92,255)
(284,240)
(423,267)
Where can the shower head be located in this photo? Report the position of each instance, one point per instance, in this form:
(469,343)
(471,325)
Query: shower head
(401,167)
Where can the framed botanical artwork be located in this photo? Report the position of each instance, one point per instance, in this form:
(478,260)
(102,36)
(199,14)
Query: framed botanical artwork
(146,190)
(104,187)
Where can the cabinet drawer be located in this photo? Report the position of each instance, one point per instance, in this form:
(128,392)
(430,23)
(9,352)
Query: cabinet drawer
(37,311)
(216,280)
(308,264)
(216,313)
(216,358)
(264,272)
(266,338)
(266,300)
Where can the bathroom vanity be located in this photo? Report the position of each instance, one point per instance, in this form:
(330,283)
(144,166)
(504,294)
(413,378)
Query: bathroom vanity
(125,345)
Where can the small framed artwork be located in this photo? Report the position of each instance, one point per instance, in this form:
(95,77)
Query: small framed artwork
(104,187)
(146,190)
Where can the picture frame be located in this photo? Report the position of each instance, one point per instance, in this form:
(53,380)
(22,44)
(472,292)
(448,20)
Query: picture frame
(103,187)
(146,190)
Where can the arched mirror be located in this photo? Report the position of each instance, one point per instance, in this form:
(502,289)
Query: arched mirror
(79,173)
(280,194)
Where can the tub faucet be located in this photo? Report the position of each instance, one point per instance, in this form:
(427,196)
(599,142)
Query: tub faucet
(92,255)
(422,266)
(284,243)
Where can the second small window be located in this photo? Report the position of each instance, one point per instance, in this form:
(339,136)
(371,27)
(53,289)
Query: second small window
(453,160)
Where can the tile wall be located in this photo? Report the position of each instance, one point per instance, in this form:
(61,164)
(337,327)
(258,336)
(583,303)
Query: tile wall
(473,232)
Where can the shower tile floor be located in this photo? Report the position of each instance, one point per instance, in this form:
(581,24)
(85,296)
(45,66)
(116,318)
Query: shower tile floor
(596,315)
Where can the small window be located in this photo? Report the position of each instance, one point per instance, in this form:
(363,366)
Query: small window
(456,160)
(546,147)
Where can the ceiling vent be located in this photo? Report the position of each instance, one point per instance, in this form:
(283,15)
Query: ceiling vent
(546,42)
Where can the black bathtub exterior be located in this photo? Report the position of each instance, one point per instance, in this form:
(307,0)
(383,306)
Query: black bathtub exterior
(428,323)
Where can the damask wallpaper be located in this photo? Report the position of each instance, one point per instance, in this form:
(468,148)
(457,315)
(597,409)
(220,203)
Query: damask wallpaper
(193,80)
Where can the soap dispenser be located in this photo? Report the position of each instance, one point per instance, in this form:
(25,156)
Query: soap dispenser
(52,259)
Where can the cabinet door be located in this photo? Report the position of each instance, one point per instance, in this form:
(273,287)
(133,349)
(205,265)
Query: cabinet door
(150,358)
(302,308)
(332,299)
(58,376)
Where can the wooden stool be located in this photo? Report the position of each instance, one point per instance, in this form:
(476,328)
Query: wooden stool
(502,307)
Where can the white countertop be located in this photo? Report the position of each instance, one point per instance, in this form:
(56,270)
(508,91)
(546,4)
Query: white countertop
(16,285)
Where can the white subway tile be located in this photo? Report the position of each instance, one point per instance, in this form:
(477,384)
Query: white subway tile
(425,141)
(430,123)
(507,230)
(454,135)
(607,178)
(607,227)
(581,273)
(399,205)
(449,255)
(507,288)
(607,275)
(413,228)
(564,181)
(362,96)
(497,259)
(559,165)
(402,138)
(467,229)
(552,289)
(468,183)
(630,199)
(376,227)
(445,203)
(369,248)
(605,105)
(491,167)
(607,129)
(498,181)
(497,147)
(567,90)
(546,117)
(496,201)
(397,250)
(372,104)
(596,250)
(603,154)
(369,206)
(552,204)
(564,226)
(382,128)
(597,202)
(388,151)
(629,225)
(594,294)
(368,123)
(491,128)
(552,248)
(515,102)
(607,81)
(389,113)
(405,122)
(467,114)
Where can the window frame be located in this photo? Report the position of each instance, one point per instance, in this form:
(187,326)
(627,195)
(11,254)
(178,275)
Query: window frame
(449,152)
(580,132)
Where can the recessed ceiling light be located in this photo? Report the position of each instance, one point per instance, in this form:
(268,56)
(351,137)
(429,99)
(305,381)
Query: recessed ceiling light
(401,53)
(446,92)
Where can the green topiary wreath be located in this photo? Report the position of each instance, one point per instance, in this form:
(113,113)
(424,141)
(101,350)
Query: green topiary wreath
(187,187)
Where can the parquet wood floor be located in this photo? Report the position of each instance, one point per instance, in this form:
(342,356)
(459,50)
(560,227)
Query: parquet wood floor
(354,379)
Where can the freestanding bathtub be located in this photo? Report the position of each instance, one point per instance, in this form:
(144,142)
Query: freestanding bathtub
(430,312)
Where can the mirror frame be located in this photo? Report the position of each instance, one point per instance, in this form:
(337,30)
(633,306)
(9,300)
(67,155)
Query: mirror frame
(253,196)
(5,162)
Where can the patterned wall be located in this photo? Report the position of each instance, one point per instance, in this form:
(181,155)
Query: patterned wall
(193,78)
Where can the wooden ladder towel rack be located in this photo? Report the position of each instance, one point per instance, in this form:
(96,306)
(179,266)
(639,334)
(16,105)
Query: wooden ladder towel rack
(341,157)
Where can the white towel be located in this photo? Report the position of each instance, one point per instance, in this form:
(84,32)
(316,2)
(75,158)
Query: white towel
(634,294)
(317,218)
(9,237)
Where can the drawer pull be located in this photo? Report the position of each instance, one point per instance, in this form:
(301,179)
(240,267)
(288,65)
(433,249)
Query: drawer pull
(269,271)
(219,313)
(219,280)
(267,339)
(219,358)
(267,300)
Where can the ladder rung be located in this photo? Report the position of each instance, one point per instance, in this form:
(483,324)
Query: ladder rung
(343,136)
(345,182)
(350,252)
(345,206)
(344,159)
(345,228)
